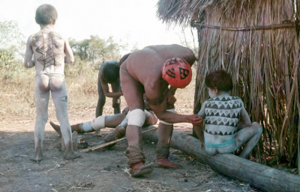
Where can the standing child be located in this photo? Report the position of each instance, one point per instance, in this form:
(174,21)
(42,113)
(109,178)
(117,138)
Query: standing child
(227,123)
(49,51)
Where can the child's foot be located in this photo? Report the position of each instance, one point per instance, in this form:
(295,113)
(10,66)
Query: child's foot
(38,157)
(56,128)
(166,163)
(71,155)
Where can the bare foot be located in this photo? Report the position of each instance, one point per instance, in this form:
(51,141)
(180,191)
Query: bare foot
(166,163)
(38,157)
(141,169)
(56,128)
(71,155)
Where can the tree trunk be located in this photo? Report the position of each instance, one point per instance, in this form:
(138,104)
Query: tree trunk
(257,175)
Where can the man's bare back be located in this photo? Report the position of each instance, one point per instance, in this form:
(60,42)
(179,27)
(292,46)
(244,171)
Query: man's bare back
(151,60)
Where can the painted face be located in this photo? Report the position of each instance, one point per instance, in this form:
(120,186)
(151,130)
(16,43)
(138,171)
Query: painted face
(212,92)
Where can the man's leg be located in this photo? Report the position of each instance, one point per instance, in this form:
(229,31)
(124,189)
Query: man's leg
(60,100)
(151,118)
(96,124)
(41,102)
(116,101)
(117,133)
(101,99)
(164,134)
(120,130)
(133,93)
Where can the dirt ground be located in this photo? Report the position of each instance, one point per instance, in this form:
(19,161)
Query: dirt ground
(101,170)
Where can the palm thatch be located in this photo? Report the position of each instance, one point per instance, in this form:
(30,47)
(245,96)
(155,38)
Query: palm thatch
(257,42)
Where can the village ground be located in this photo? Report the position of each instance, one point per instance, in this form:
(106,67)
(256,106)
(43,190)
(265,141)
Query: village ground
(101,170)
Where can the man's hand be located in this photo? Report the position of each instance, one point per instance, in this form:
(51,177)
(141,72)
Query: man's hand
(195,119)
(171,99)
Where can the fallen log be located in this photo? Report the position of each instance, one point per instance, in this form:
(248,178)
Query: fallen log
(257,175)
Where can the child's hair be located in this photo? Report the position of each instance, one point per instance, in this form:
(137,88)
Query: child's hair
(111,71)
(219,79)
(45,14)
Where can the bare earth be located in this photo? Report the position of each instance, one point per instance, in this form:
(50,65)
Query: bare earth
(101,170)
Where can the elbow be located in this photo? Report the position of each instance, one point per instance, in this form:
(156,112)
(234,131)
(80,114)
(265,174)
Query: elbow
(160,116)
(72,60)
(28,64)
(25,64)
(69,59)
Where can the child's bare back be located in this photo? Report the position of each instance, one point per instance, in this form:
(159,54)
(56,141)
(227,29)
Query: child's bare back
(50,51)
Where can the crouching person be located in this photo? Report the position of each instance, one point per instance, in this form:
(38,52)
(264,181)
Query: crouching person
(227,123)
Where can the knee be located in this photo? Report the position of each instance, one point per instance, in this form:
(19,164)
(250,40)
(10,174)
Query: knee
(151,118)
(42,119)
(136,117)
(257,127)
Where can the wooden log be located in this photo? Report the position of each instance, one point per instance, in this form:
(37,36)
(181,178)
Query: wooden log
(257,175)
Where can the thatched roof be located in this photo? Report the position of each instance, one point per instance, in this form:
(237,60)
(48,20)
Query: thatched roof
(186,11)
(181,11)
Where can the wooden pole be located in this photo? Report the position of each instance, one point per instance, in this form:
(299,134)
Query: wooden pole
(257,175)
(112,142)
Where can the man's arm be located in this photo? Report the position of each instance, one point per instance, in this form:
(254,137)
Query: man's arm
(159,105)
(170,95)
(69,58)
(162,114)
(105,88)
(28,62)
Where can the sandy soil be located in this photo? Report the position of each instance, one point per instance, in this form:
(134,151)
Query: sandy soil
(101,170)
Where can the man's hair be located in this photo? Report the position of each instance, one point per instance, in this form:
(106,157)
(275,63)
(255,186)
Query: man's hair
(45,14)
(111,71)
(219,79)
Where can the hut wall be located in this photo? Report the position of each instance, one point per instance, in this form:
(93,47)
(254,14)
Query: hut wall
(264,63)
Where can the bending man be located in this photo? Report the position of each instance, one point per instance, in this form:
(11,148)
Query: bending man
(151,71)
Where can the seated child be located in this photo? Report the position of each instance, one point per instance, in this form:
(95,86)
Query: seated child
(227,123)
